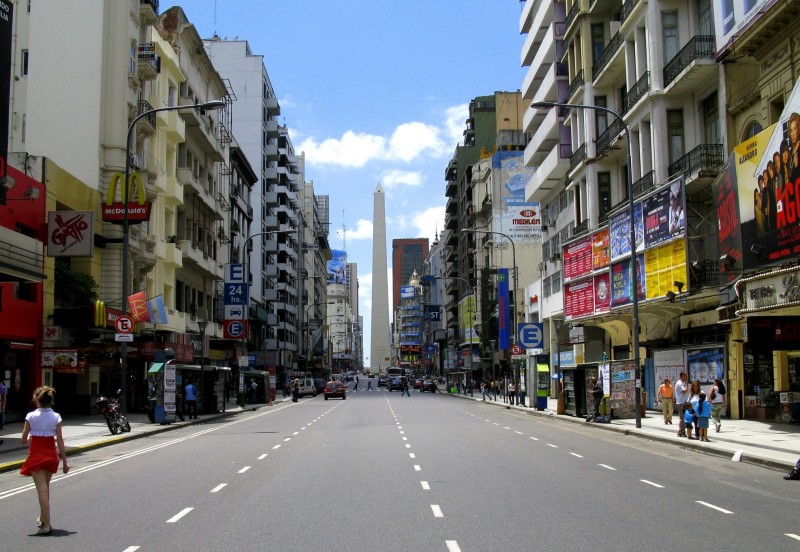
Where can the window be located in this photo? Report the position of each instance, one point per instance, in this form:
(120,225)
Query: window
(23,65)
(600,116)
(710,108)
(132,60)
(604,193)
(598,41)
(752,129)
(171,95)
(669,27)
(675,132)
(706,19)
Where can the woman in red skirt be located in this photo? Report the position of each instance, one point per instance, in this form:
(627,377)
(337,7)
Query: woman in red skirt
(42,425)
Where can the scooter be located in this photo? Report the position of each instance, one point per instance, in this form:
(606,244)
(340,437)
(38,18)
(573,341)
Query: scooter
(115,419)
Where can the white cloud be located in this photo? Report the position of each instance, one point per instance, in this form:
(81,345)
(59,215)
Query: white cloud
(353,150)
(395,178)
(411,140)
(454,123)
(429,222)
(362,231)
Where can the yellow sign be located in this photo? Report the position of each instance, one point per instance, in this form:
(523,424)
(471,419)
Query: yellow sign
(664,266)
(114,211)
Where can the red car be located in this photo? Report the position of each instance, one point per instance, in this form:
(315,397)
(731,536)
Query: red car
(418,383)
(334,389)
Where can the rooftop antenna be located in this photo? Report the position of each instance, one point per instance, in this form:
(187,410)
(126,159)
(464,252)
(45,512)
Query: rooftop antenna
(215,17)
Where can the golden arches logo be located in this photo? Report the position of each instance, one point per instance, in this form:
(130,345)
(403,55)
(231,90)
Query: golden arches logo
(135,183)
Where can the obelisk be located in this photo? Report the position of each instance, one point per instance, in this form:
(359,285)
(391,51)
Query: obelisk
(381,343)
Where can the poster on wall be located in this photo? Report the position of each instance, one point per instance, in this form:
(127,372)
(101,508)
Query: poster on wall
(577,259)
(602,293)
(623,389)
(665,214)
(513,215)
(705,364)
(579,299)
(731,17)
(729,235)
(601,255)
(337,267)
(621,282)
(663,267)
(668,363)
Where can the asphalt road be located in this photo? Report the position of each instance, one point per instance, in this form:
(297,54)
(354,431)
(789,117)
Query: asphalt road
(383,472)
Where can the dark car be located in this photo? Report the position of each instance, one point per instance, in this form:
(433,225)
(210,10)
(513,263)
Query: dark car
(418,383)
(396,383)
(319,385)
(334,389)
(383,381)
(428,385)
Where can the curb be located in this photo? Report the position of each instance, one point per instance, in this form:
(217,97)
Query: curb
(686,445)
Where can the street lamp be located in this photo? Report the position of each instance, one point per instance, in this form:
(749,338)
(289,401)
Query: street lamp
(213,105)
(514,261)
(634,276)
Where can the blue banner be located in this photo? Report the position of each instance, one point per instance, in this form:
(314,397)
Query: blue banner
(503,333)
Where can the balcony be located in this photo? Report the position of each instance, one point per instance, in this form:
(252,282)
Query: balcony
(572,15)
(148,11)
(147,124)
(636,93)
(705,158)
(645,184)
(577,158)
(614,45)
(272,106)
(627,9)
(21,256)
(271,152)
(148,69)
(608,137)
(271,128)
(692,67)
(550,172)
(576,84)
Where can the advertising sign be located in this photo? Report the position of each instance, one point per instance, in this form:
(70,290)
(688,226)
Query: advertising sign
(705,365)
(621,282)
(602,293)
(731,17)
(663,266)
(601,255)
(406,292)
(726,198)
(577,259)
(774,333)
(668,363)
(620,233)
(504,335)
(138,211)
(70,234)
(579,299)
(337,267)
(665,214)
(520,219)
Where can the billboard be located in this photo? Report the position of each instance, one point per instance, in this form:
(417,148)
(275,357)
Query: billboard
(732,17)
(663,266)
(665,214)
(512,215)
(621,282)
(577,259)
(337,267)
(620,232)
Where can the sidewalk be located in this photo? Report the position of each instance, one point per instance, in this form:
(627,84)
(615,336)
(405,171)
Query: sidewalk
(767,444)
(82,433)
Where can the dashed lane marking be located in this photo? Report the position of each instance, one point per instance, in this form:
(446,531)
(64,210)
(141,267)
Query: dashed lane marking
(717,508)
(408,446)
(405,438)
(437,511)
(607,467)
(131,549)
(244,469)
(506,427)
(179,515)
(276,447)
(417,467)
(656,485)
(425,486)
(287,439)
(552,445)
(263,456)
(452,546)
(296,433)
(519,433)
(576,455)
(793,536)
(534,439)
(412,455)
(218,488)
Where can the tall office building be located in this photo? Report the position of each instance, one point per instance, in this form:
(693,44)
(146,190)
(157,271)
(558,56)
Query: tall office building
(408,256)
(381,345)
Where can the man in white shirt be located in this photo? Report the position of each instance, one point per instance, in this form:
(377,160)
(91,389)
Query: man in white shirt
(681,400)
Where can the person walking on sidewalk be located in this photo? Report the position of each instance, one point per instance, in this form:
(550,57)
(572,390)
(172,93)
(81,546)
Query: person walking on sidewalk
(719,404)
(191,399)
(512,390)
(42,426)
(694,398)
(795,473)
(681,399)
(703,411)
(3,399)
(665,396)
(597,396)
(355,385)
(483,389)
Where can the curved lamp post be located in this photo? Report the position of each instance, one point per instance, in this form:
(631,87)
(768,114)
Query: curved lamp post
(634,276)
(213,105)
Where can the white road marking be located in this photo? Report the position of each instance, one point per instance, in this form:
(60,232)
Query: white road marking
(244,469)
(287,439)
(405,438)
(437,512)
(495,423)
(302,428)
(552,445)
(412,455)
(506,427)
(276,447)
(296,433)
(425,486)
(179,515)
(651,483)
(534,438)
(408,446)
(607,467)
(402,433)
(452,546)
(417,467)
(262,456)
(519,433)
(790,535)
(132,549)
(717,508)
(576,455)
(218,488)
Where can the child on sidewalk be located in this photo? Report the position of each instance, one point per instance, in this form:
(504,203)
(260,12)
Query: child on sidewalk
(703,411)
(688,420)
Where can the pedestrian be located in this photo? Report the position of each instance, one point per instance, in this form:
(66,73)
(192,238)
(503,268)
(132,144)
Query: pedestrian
(355,386)
(191,399)
(512,390)
(665,396)
(597,396)
(296,390)
(3,399)
(719,403)
(41,426)
(689,418)
(369,383)
(795,473)
(681,398)
(694,398)
(405,387)
(703,411)
(483,389)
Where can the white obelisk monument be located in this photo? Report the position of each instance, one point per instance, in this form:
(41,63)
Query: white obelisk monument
(381,343)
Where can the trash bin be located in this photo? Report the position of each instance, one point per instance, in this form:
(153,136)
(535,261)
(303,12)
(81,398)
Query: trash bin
(541,402)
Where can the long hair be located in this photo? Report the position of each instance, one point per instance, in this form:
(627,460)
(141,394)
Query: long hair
(44,396)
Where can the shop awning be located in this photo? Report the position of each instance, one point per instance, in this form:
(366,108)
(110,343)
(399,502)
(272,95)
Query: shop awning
(156,368)
(205,367)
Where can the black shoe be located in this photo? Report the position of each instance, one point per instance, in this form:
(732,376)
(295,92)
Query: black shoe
(794,474)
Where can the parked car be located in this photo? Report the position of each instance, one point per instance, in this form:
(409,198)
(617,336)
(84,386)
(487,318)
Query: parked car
(334,389)
(319,384)
(307,387)
(383,381)
(418,383)
(428,385)
(396,384)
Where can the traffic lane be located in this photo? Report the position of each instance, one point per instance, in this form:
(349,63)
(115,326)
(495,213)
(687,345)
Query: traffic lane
(339,484)
(130,494)
(568,477)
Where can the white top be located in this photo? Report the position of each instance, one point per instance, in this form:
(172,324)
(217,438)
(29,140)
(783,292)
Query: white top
(43,422)
(681,392)
(719,398)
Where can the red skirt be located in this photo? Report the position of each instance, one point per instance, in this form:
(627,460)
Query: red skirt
(42,455)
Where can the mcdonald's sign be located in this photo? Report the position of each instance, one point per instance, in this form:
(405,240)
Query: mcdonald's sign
(138,211)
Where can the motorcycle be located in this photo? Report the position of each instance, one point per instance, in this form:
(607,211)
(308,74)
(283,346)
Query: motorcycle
(115,419)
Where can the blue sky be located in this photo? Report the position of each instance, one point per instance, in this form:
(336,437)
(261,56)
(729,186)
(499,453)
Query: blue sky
(375,91)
